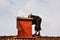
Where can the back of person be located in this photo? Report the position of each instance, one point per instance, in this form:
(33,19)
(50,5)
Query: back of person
(35,18)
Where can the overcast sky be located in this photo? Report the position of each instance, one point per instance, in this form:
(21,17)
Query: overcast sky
(48,10)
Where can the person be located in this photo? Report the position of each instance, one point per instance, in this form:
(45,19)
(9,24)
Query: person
(37,21)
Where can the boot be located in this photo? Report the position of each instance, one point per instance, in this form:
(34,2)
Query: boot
(38,34)
(34,34)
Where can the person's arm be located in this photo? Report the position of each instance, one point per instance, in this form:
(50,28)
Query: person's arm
(34,17)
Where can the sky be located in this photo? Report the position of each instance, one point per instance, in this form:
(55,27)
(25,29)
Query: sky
(48,10)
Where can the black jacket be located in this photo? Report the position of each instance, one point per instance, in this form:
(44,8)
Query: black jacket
(35,19)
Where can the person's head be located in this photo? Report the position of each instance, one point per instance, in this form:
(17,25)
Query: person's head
(29,16)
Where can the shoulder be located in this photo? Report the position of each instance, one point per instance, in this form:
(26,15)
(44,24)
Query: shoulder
(34,15)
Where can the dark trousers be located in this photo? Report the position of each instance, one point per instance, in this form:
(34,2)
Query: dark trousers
(38,24)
